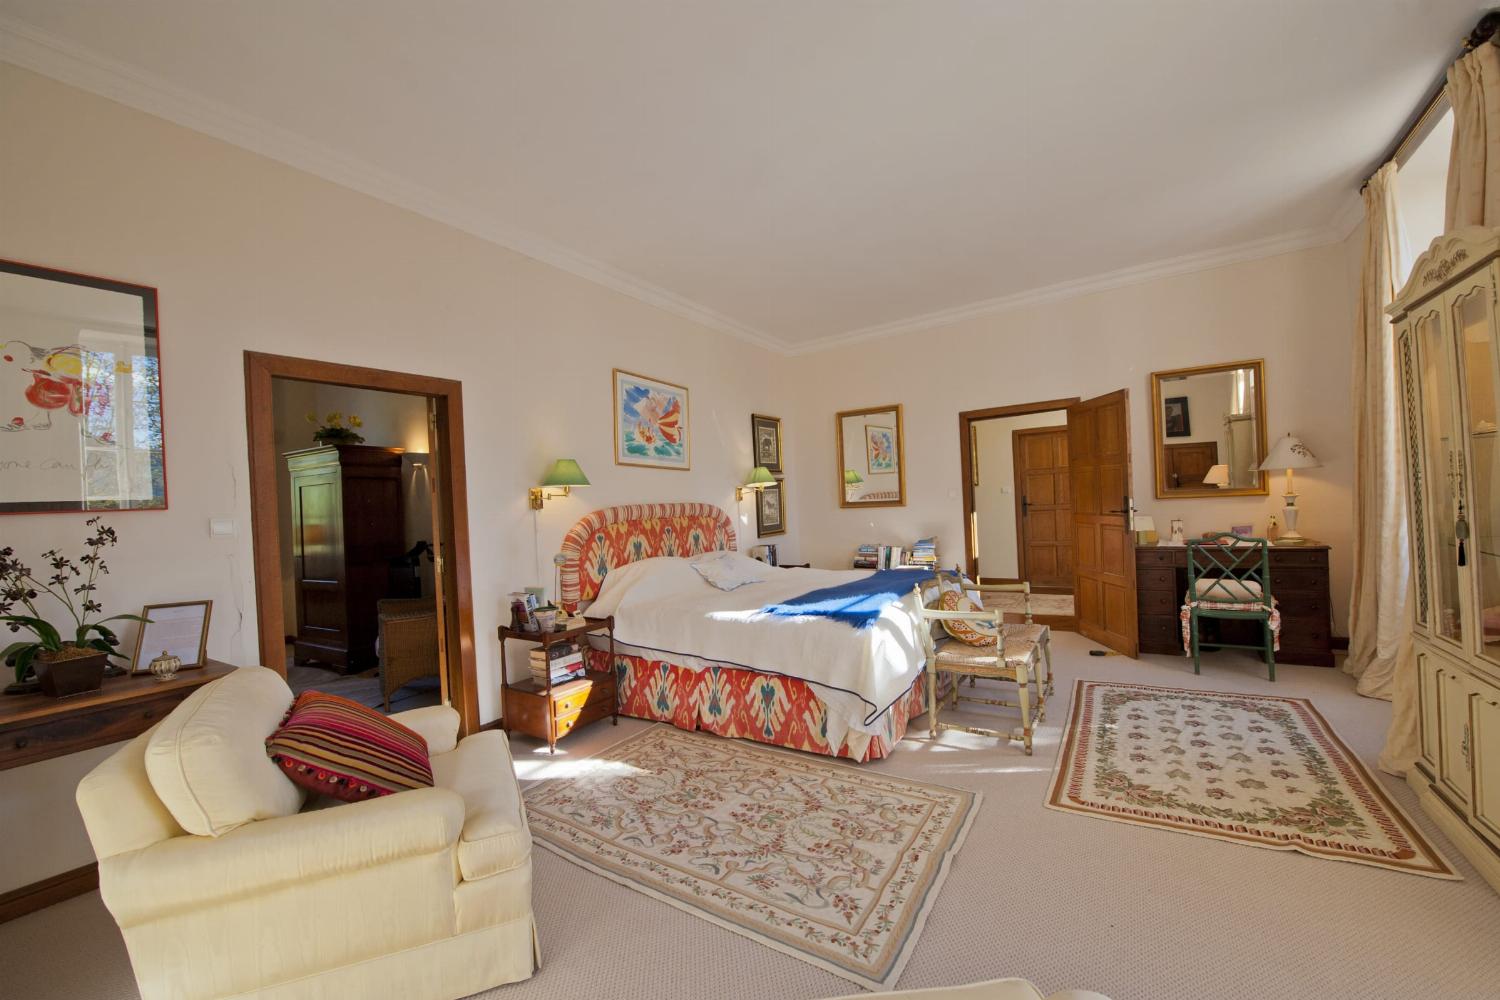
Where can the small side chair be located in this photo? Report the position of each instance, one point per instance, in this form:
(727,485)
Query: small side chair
(1229,577)
(953,656)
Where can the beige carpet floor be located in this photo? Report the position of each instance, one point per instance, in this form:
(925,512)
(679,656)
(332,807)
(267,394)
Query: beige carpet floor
(1063,900)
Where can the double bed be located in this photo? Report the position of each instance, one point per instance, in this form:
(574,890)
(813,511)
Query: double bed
(751,662)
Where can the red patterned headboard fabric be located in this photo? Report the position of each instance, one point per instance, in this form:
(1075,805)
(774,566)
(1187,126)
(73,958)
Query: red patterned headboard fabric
(615,536)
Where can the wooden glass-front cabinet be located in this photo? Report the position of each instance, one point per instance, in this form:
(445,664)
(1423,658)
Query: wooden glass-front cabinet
(1448,357)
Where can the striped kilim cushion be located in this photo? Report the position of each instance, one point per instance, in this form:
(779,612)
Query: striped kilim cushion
(338,747)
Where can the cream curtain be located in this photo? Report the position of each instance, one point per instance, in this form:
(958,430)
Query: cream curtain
(1474,163)
(1380,612)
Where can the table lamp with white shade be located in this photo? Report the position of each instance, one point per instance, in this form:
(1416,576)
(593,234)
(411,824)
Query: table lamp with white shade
(1218,475)
(1290,453)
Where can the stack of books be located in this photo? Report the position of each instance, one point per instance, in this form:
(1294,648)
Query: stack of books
(867,557)
(565,661)
(923,554)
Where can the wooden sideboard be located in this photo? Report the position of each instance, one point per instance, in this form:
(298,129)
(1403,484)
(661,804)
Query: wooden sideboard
(1299,582)
(34,727)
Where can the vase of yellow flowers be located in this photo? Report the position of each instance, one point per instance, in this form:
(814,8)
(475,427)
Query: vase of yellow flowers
(333,429)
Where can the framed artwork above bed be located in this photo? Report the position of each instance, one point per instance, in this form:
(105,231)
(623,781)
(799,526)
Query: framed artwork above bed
(651,422)
(80,393)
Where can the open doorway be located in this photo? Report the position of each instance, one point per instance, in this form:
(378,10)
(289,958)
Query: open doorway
(361,561)
(1018,521)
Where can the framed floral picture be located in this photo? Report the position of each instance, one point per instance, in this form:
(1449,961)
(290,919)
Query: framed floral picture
(880,449)
(765,433)
(651,422)
(770,511)
(80,393)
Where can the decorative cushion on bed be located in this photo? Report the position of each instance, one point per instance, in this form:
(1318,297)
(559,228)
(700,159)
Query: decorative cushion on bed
(728,570)
(338,747)
(973,633)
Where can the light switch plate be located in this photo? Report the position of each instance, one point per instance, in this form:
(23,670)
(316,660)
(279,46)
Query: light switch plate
(221,527)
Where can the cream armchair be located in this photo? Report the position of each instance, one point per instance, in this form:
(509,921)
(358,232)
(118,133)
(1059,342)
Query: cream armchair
(421,894)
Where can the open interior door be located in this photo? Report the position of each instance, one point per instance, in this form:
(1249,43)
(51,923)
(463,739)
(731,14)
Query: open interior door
(439,549)
(1103,540)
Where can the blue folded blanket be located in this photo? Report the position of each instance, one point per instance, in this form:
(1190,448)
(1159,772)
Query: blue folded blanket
(856,604)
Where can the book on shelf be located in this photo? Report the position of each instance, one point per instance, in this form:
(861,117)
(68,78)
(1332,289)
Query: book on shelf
(557,652)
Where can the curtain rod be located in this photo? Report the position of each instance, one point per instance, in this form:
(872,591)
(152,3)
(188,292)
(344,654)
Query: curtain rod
(1419,124)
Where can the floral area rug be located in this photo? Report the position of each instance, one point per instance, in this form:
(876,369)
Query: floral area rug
(832,863)
(1251,769)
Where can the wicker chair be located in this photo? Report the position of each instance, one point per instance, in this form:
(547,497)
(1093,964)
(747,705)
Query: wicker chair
(1004,661)
(408,642)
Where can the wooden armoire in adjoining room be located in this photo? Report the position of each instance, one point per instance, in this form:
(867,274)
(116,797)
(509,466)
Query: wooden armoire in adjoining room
(347,526)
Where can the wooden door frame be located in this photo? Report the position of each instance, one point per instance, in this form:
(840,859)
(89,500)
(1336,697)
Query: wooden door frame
(966,420)
(453,507)
(1015,470)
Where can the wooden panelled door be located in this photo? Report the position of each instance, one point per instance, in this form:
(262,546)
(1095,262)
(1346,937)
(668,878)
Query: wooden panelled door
(1044,506)
(1104,548)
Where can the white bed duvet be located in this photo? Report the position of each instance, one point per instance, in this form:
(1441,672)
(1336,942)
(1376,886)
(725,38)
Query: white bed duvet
(664,606)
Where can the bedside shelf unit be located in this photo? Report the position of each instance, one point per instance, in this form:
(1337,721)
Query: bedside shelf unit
(551,711)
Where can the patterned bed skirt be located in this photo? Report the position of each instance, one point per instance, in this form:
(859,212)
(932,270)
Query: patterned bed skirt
(731,701)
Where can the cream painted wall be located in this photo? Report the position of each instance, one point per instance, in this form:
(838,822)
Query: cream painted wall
(1295,310)
(995,494)
(249,254)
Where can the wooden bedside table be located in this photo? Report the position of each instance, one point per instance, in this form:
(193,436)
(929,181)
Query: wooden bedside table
(550,712)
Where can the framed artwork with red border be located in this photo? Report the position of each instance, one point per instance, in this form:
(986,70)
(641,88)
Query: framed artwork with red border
(80,393)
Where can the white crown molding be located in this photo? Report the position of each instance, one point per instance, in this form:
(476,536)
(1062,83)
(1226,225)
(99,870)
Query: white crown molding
(60,59)
(1205,260)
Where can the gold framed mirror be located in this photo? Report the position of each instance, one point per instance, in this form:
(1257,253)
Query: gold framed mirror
(1209,430)
(872,457)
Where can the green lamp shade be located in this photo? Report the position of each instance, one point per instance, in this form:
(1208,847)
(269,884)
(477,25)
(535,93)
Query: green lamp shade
(852,478)
(565,472)
(760,477)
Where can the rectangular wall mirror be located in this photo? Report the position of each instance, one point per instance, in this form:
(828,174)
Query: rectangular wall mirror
(872,457)
(1209,427)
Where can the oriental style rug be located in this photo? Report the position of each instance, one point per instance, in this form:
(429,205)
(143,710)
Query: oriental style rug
(834,864)
(1251,769)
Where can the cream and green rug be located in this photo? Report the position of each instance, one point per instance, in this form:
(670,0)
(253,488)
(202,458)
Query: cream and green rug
(1252,769)
(833,863)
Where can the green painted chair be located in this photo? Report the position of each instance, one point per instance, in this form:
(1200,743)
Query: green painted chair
(1229,577)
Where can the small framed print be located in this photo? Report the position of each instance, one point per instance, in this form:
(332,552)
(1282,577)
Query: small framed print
(180,629)
(770,511)
(765,433)
(1176,419)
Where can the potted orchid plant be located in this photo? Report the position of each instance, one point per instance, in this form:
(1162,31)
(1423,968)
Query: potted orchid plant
(62,666)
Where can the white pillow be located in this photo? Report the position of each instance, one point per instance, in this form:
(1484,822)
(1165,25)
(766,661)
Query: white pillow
(728,570)
(207,760)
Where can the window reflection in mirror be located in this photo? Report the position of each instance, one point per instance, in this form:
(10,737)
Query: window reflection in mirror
(1209,426)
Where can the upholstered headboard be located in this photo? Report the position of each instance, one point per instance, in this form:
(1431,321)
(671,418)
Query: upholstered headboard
(615,536)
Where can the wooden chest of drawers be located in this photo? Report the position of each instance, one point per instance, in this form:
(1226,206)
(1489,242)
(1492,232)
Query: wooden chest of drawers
(529,709)
(1299,581)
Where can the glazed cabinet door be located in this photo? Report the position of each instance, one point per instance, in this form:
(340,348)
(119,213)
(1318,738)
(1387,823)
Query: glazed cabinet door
(1484,753)
(1416,500)
(1442,460)
(1428,695)
(1472,315)
(1454,690)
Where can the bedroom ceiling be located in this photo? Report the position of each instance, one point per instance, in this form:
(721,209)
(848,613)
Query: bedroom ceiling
(798,172)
